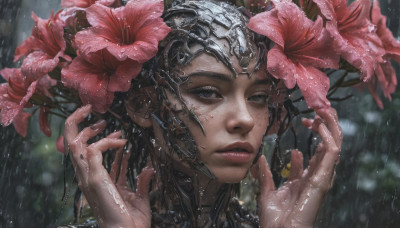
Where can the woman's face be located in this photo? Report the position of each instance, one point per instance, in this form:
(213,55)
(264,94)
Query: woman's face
(232,111)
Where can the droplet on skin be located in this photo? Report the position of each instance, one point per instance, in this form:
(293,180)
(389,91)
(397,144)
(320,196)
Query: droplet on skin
(115,196)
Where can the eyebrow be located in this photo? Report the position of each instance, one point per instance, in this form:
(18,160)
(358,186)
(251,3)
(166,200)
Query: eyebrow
(210,74)
(224,77)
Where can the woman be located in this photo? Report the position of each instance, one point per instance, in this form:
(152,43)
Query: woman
(200,110)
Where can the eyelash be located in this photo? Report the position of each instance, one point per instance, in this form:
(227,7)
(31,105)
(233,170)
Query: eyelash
(259,98)
(209,93)
(206,93)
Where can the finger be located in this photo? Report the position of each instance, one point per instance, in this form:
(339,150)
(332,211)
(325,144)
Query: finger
(95,152)
(124,170)
(296,161)
(71,124)
(115,135)
(331,118)
(312,124)
(107,143)
(262,173)
(115,166)
(144,179)
(307,122)
(316,159)
(324,172)
(91,131)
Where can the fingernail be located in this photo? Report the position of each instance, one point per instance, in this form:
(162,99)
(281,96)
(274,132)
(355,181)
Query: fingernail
(86,107)
(100,124)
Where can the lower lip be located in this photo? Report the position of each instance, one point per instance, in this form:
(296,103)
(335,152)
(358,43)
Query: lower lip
(236,157)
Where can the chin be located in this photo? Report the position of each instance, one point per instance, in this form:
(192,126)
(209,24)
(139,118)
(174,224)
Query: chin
(231,175)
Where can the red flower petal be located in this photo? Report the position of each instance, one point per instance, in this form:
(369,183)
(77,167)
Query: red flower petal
(45,83)
(391,45)
(94,91)
(314,86)
(43,48)
(10,108)
(21,123)
(27,46)
(91,81)
(37,64)
(87,3)
(44,121)
(125,72)
(49,34)
(281,67)
(130,32)
(354,36)
(327,10)
(268,24)
(14,73)
(387,79)
(301,48)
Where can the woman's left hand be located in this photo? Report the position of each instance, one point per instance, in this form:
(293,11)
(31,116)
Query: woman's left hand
(296,203)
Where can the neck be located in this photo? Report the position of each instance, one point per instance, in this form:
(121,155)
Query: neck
(194,195)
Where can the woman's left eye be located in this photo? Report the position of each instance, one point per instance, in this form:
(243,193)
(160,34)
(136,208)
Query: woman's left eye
(259,98)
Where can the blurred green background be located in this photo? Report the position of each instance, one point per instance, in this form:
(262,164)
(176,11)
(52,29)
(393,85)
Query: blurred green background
(36,184)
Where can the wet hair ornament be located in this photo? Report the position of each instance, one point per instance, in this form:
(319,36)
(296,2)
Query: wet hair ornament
(201,23)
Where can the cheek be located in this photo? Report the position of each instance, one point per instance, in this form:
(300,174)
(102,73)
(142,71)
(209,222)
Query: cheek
(261,124)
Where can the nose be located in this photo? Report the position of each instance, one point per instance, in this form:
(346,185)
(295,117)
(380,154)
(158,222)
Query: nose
(240,120)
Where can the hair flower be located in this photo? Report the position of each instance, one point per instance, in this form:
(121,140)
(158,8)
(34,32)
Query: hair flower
(14,97)
(385,74)
(354,35)
(43,48)
(300,50)
(97,76)
(112,51)
(132,31)
(87,3)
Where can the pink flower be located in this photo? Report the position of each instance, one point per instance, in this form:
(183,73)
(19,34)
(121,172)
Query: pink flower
(385,74)
(98,77)
(129,32)
(300,50)
(14,97)
(112,52)
(353,34)
(43,48)
(87,3)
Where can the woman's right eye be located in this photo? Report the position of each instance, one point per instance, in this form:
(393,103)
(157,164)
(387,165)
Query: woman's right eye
(206,92)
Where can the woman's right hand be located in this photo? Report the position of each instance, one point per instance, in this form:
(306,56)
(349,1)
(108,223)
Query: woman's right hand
(113,202)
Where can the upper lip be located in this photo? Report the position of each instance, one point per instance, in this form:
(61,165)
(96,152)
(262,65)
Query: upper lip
(245,146)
